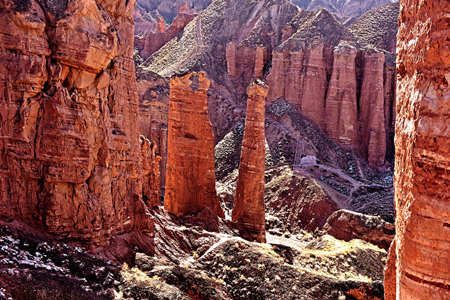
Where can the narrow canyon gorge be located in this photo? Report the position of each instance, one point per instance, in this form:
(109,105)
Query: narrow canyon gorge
(224,149)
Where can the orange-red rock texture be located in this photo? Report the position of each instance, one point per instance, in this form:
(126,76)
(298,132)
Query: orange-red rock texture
(249,210)
(70,159)
(152,40)
(418,267)
(353,107)
(153,94)
(190,178)
(347,225)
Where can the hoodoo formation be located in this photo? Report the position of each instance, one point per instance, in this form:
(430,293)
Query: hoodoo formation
(70,160)
(418,267)
(249,210)
(190,178)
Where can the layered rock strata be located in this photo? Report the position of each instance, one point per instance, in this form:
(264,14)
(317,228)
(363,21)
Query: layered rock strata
(245,64)
(347,225)
(372,116)
(153,115)
(151,41)
(151,183)
(418,267)
(300,55)
(70,160)
(190,178)
(353,112)
(341,102)
(249,210)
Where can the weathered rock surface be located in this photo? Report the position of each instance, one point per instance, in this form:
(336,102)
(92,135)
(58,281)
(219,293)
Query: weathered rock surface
(191,263)
(419,262)
(344,9)
(190,178)
(296,202)
(147,12)
(301,66)
(70,160)
(151,40)
(151,183)
(372,117)
(378,27)
(249,209)
(299,71)
(153,92)
(347,225)
(341,107)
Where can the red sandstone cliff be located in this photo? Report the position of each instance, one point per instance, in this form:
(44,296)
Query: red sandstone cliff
(341,107)
(70,160)
(153,40)
(249,210)
(152,32)
(153,115)
(372,117)
(190,178)
(359,123)
(418,267)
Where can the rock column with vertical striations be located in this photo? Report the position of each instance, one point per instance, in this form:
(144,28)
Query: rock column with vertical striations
(314,85)
(341,105)
(418,266)
(70,158)
(249,211)
(373,132)
(190,178)
(276,76)
(151,185)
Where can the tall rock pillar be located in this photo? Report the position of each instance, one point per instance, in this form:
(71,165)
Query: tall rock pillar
(341,104)
(418,266)
(249,211)
(190,179)
(373,131)
(314,85)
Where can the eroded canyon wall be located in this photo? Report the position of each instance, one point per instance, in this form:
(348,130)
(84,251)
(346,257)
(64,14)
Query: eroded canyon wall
(249,209)
(345,91)
(70,159)
(190,178)
(151,40)
(418,266)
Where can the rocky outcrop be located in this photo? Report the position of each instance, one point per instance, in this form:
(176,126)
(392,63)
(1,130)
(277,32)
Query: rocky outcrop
(342,9)
(355,122)
(372,117)
(153,94)
(151,41)
(249,210)
(347,225)
(70,160)
(244,64)
(295,202)
(300,78)
(190,178)
(418,265)
(378,27)
(341,104)
(151,183)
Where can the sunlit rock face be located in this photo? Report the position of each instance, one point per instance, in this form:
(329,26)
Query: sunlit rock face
(249,210)
(418,267)
(343,9)
(70,159)
(190,178)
